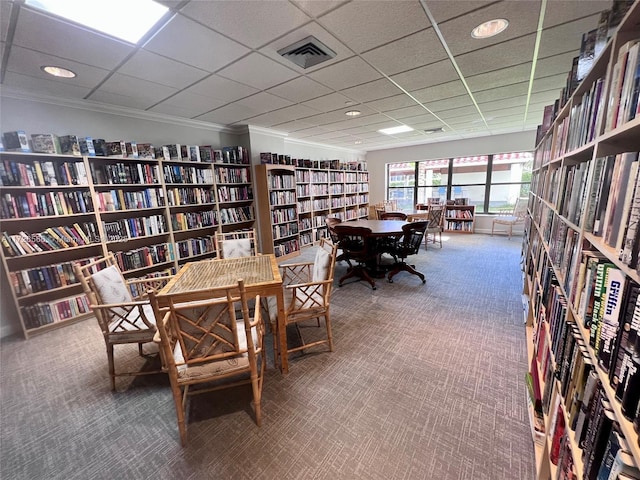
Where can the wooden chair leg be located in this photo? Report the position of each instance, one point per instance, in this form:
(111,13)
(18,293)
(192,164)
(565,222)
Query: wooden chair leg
(257,397)
(112,367)
(178,398)
(327,322)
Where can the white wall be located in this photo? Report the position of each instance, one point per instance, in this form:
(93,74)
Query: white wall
(377,160)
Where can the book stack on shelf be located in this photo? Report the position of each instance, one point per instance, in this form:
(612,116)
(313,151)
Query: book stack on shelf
(67,199)
(581,269)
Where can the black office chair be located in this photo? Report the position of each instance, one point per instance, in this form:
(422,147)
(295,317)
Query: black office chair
(408,244)
(356,244)
(393,216)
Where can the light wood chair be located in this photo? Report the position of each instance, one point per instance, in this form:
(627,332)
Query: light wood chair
(241,243)
(433,233)
(121,307)
(517,216)
(307,293)
(206,342)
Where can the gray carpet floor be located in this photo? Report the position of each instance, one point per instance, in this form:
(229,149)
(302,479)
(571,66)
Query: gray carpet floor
(426,382)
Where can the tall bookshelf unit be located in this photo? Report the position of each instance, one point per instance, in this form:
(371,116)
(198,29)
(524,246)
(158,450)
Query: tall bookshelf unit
(153,214)
(459,218)
(278,210)
(578,352)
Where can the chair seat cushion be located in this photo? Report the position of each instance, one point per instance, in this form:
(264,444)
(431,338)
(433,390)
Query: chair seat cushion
(505,219)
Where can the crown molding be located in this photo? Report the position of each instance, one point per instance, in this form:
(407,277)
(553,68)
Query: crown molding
(98,107)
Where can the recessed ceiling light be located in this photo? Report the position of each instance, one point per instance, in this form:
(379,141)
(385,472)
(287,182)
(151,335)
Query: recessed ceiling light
(434,130)
(358,142)
(394,130)
(58,71)
(352,113)
(490,28)
(127,20)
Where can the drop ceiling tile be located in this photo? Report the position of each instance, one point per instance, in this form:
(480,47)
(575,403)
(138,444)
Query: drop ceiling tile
(377,89)
(491,115)
(309,132)
(419,120)
(295,112)
(28,62)
(456,112)
(119,99)
(500,78)
(300,89)
(267,119)
(156,68)
(558,12)
(449,103)
(146,93)
(5,16)
(565,37)
(438,92)
(406,112)
(293,126)
(25,83)
(427,76)
(366,24)
(554,65)
(183,40)
(556,82)
(546,97)
(229,114)
(222,88)
(37,31)
(443,11)
(328,103)
(366,130)
(391,103)
(499,104)
(407,53)
(345,74)
(264,102)
(342,52)
(325,118)
(498,56)
(261,21)
(191,104)
(508,91)
(316,8)
(257,71)
(345,123)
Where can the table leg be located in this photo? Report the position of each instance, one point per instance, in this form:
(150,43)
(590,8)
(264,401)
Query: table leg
(282,334)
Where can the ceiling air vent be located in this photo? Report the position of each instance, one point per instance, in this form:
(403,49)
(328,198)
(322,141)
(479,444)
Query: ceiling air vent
(307,52)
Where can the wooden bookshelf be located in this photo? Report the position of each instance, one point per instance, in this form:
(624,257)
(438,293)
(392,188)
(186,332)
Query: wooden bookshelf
(584,206)
(154,214)
(459,218)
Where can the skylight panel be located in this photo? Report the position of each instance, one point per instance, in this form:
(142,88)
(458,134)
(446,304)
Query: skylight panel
(127,20)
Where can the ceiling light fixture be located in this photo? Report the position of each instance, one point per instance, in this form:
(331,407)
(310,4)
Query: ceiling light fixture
(490,28)
(352,113)
(358,142)
(127,20)
(394,130)
(434,130)
(58,71)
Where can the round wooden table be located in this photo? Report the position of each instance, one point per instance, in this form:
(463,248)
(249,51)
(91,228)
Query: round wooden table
(379,228)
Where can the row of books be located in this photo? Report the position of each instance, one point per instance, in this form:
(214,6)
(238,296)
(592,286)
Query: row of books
(195,246)
(232,175)
(234,194)
(52,144)
(459,226)
(282,197)
(36,173)
(44,313)
(277,181)
(182,174)
(118,200)
(127,228)
(284,230)
(280,159)
(281,215)
(124,173)
(459,214)
(51,239)
(45,204)
(189,196)
(48,277)
(189,220)
(236,215)
(145,256)
(285,248)
(625,86)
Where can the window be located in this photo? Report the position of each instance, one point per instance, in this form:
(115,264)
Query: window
(492,183)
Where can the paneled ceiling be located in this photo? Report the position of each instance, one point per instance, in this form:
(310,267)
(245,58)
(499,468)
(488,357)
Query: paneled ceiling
(397,62)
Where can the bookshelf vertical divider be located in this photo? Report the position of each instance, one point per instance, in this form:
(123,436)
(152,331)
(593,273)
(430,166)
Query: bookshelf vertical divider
(576,235)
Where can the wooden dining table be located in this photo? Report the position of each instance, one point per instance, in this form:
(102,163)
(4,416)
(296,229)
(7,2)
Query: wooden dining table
(379,228)
(261,276)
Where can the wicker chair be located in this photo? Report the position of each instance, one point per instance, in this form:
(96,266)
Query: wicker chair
(241,243)
(205,343)
(433,233)
(517,216)
(121,307)
(408,244)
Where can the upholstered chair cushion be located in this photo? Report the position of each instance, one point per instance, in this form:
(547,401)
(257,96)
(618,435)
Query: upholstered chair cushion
(240,247)
(110,286)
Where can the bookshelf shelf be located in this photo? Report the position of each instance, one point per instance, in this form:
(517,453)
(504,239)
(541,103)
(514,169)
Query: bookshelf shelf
(171,207)
(459,218)
(580,260)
